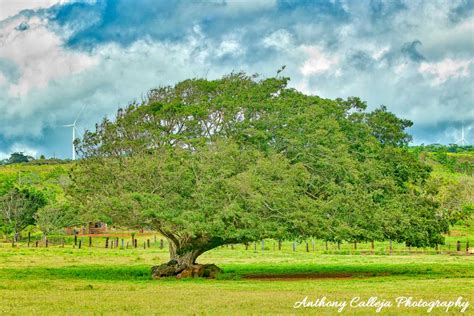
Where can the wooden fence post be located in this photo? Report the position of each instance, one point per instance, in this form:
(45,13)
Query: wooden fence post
(148,243)
(372,246)
(467,246)
(390,247)
(80,243)
(90,241)
(75,239)
(326,245)
(46,241)
(458,246)
(161,243)
(29,239)
(294,245)
(36,244)
(122,243)
(136,243)
(106,242)
(307,246)
(279,244)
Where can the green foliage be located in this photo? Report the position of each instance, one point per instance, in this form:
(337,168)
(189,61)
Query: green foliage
(454,196)
(451,148)
(18,208)
(54,217)
(387,128)
(452,158)
(17,157)
(45,181)
(233,160)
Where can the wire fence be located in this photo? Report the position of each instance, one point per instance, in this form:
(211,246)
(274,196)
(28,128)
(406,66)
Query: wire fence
(150,241)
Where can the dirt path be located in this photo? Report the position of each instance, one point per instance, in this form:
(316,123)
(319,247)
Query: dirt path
(310,276)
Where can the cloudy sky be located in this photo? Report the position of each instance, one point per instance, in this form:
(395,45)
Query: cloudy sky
(416,57)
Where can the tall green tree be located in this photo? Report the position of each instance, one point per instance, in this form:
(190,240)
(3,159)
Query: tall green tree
(18,208)
(234,160)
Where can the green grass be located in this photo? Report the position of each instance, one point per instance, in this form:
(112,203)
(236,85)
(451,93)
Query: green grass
(112,281)
(98,281)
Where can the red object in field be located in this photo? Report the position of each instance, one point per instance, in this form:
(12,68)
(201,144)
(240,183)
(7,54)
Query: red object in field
(93,228)
(97,228)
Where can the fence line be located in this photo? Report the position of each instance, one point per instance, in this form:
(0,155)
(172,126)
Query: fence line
(267,245)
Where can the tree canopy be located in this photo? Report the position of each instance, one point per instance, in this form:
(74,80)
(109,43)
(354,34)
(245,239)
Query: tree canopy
(213,162)
(17,157)
(18,206)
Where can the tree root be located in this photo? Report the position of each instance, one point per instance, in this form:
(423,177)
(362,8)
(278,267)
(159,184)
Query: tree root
(172,268)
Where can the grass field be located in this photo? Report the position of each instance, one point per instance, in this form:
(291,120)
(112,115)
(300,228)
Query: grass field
(97,281)
(58,280)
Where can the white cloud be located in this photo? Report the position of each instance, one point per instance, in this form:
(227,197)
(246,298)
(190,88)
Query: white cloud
(54,82)
(9,8)
(120,76)
(378,53)
(400,68)
(446,69)
(246,6)
(19,147)
(281,40)
(318,62)
(39,55)
(230,47)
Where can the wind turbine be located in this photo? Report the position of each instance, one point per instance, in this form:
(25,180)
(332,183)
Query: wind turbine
(462,140)
(74,129)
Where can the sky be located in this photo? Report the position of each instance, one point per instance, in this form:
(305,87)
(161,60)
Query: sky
(57,56)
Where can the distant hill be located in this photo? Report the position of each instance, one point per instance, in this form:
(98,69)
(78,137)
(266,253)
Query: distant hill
(21,158)
(52,175)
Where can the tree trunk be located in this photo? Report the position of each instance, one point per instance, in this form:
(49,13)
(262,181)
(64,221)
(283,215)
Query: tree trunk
(183,264)
(184,259)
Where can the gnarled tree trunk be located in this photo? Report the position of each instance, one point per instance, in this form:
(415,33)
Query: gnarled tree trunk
(182,262)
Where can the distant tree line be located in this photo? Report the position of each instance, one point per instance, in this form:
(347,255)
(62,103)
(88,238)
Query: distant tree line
(451,148)
(462,162)
(21,158)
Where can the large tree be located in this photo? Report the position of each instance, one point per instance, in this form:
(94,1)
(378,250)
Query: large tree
(18,208)
(235,160)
